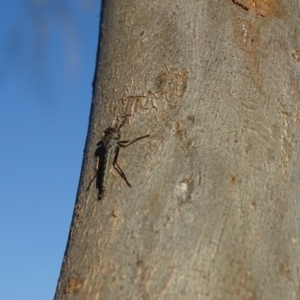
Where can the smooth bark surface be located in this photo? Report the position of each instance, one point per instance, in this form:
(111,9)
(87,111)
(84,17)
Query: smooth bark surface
(213,211)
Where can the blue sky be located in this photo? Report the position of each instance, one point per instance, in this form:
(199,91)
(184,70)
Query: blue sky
(47,58)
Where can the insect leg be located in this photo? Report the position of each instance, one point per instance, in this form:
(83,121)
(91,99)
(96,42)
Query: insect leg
(94,177)
(96,173)
(118,168)
(123,122)
(123,143)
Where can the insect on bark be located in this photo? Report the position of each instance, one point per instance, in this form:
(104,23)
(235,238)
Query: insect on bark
(107,154)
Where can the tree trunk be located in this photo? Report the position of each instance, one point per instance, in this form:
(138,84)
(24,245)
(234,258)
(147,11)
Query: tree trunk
(214,205)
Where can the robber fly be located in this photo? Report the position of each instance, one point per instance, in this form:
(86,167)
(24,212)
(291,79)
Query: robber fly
(107,154)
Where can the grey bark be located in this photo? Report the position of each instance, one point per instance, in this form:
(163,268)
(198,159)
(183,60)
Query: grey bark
(213,211)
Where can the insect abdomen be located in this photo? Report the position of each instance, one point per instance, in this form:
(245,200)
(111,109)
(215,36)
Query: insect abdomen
(110,141)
